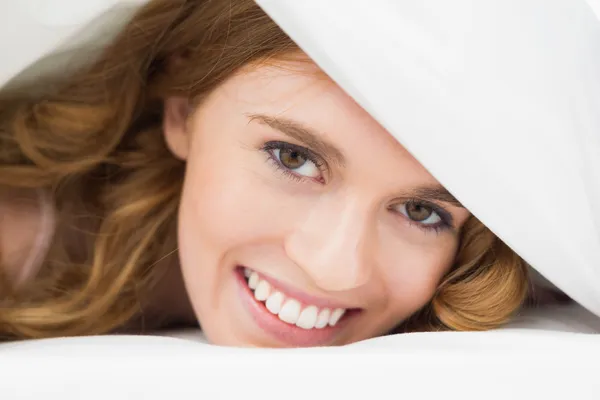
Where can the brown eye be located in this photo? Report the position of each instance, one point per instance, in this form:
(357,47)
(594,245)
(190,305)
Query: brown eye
(424,216)
(295,160)
(418,212)
(292,159)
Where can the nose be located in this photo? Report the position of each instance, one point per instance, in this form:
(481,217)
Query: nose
(332,243)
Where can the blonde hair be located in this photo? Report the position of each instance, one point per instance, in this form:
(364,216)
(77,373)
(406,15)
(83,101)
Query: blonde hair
(94,141)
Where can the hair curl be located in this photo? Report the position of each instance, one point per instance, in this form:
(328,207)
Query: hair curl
(93,140)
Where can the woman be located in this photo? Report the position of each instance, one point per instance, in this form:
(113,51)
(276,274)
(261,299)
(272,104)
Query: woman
(205,170)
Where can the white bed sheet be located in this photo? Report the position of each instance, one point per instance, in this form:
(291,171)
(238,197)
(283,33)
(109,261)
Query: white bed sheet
(536,357)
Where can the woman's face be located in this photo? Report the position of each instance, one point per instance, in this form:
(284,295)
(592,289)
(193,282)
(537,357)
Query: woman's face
(302,221)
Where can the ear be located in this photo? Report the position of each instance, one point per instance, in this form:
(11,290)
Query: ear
(175,126)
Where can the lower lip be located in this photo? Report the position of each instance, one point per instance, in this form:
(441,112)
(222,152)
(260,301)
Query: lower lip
(283,332)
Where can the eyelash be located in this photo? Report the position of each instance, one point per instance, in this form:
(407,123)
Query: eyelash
(269,147)
(443,225)
(445,217)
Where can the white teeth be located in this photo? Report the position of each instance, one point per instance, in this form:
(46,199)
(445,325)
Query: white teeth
(335,316)
(308,318)
(323,318)
(290,312)
(253,281)
(274,303)
(263,290)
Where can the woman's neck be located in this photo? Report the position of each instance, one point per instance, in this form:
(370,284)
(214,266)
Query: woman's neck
(26,227)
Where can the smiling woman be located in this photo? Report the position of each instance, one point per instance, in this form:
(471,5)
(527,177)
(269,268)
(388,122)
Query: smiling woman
(236,186)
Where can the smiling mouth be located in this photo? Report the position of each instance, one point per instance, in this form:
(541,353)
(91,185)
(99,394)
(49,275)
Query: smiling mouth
(289,309)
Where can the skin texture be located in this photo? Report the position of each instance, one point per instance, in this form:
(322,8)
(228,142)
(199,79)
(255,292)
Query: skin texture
(339,230)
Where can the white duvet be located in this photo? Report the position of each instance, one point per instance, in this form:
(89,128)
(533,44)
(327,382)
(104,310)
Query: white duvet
(501,94)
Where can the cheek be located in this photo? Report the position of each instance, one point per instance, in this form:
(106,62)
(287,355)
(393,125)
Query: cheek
(412,273)
(226,205)
(222,211)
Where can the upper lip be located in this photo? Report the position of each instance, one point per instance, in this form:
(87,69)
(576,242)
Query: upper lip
(304,298)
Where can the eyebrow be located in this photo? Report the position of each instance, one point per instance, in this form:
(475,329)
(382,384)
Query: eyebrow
(311,139)
(303,134)
(435,193)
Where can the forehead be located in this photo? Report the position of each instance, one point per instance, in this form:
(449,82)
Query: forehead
(300,91)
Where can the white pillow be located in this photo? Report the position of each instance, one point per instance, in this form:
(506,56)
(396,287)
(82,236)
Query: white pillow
(505,364)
